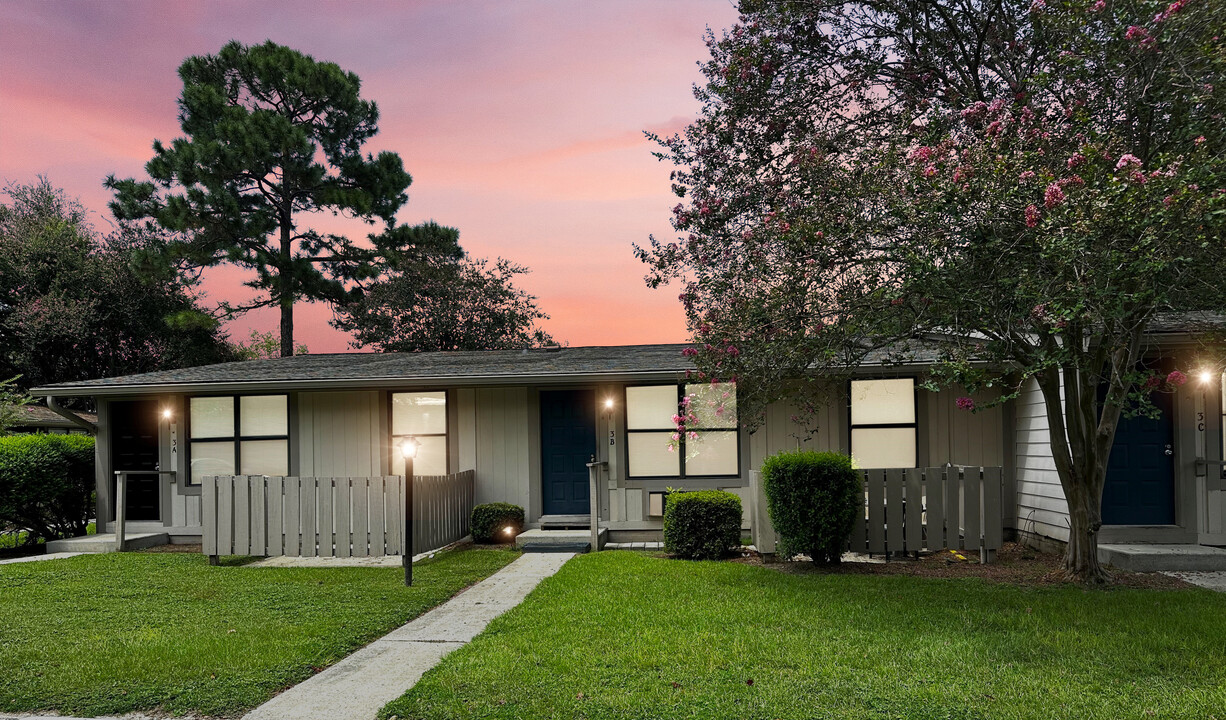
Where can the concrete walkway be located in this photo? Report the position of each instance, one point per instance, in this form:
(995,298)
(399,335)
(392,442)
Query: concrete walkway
(1215,580)
(38,558)
(357,687)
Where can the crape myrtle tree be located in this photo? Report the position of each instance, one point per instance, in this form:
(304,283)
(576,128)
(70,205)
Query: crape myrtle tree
(1036,184)
(271,137)
(422,303)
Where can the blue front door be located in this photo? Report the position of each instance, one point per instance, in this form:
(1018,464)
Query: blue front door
(1140,488)
(568,442)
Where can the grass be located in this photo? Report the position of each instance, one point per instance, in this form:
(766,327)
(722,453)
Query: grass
(116,633)
(626,635)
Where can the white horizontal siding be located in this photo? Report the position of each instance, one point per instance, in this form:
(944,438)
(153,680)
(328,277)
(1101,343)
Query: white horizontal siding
(1041,507)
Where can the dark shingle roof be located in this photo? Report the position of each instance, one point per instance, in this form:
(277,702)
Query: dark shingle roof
(380,369)
(39,416)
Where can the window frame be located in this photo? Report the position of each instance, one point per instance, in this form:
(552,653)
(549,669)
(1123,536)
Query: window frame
(238,437)
(915,413)
(394,439)
(681,471)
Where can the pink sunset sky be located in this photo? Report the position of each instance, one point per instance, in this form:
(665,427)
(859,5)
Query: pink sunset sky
(521,122)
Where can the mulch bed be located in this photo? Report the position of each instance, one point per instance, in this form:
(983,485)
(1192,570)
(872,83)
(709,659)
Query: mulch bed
(1015,565)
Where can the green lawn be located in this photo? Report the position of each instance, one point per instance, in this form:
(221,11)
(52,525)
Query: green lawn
(625,635)
(115,633)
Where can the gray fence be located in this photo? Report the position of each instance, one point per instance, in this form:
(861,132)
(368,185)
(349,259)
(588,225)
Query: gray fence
(914,510)
(331,517)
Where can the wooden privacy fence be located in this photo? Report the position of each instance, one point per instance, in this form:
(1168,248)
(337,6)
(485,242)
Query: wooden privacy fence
(913,510)
(331,517)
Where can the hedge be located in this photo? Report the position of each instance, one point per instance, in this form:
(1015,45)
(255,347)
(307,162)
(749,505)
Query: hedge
(812,499)
(46,482)
(702,524)
(489,522)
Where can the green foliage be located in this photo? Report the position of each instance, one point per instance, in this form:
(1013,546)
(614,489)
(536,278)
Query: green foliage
(72,306)
(445,304)
(489,522)
(264,345)
(165,633)
(812,499)
(272,135)
(12,401)
(1032,187)
(702,524)
(45,484)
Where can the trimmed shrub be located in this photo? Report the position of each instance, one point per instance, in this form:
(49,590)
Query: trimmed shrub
(489,522)
(812,499)
(702,524)
(45,484)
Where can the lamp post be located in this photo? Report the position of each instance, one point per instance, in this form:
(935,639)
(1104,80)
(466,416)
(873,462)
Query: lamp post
(408,448)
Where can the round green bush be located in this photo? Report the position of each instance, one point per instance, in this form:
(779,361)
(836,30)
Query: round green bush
(812,499)
(489,522)
(702,524)
(45,484)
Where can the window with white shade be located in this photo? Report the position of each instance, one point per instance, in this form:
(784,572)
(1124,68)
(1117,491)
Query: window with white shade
(710,445)
(422,416)
(238,435)
(883,429)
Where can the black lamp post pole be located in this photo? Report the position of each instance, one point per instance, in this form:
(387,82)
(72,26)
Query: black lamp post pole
(408,521)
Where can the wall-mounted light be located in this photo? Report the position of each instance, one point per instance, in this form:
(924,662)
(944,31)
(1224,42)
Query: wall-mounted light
(1206,377)
(167,413)
(608,404)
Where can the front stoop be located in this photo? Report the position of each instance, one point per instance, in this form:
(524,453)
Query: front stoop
(105,543)
(573,541)
(1163,558)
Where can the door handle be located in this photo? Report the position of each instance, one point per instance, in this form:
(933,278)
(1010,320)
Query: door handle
(1168,451)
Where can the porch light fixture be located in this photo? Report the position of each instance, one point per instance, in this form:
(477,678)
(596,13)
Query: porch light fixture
(608,404)
(167,413)
(1206,377)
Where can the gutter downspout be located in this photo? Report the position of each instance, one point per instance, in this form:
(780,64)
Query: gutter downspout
(53,404)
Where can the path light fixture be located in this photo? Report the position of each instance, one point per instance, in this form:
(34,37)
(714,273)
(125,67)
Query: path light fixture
(408,449)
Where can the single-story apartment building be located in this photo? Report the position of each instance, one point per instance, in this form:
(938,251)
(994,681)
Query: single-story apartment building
(527,422)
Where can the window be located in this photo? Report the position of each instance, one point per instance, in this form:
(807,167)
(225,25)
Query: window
(883,423)
(712,450)
(422,415)
(246,435)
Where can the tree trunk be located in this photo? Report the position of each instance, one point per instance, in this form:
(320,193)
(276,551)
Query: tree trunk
(1085,519)
(287,291)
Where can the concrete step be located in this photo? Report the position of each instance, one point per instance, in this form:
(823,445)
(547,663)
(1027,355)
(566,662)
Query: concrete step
(559,540)
(105,542)
(1163,558)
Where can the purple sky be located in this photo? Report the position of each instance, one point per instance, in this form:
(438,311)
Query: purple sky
(521,123)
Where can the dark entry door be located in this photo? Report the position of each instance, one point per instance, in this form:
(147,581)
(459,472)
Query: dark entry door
(1140,488)
(568,442)
(134,446)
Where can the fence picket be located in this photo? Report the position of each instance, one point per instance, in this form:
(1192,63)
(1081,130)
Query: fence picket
(343,518)
(361,516)
(242,515)
(276,515)
(971,507)
(378,538)
(325,517)
(893,510)
(225,515)
(914,541)
(876,511)
(953,508)
(293,531)
(257,485)
(934,503)
(993,521)
(395,523)
(208,513)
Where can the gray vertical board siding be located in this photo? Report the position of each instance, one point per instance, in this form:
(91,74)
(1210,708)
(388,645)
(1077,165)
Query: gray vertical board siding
(208,497)
(859,528)
(635,511)
(502,437)
(961,437)
(466,428)
(342,434)
(778,432)
(276,515)
(914,481)
(894,481)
